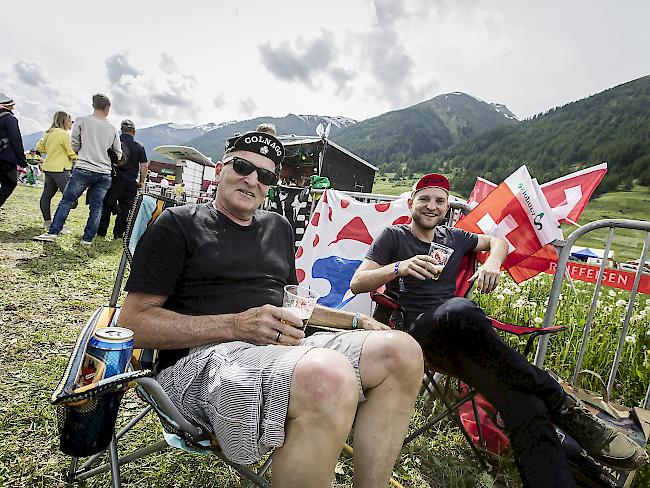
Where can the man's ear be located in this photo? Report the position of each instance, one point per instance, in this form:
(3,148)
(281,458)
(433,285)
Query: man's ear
(409,202)
(218,167)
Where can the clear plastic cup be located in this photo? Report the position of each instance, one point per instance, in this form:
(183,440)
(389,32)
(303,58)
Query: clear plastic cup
(441,255)
(301,301)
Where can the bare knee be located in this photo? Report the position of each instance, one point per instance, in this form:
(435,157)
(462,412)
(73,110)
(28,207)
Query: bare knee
(394,355)
(323,383)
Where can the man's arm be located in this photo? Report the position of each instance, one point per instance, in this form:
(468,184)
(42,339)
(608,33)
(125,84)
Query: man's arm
(370,275)
(157,328)
(144,167)
(16,140)
(487,275)
(117,144)
(75,137)
(339,319)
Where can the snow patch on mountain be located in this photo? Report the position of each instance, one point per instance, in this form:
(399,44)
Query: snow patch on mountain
(335,120)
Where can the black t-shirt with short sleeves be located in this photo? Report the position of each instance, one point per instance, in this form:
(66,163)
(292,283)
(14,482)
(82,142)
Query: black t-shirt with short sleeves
(207,264)
(137,156)
(397,243)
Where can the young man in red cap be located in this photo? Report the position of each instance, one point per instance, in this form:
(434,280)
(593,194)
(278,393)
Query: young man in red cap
(457,336)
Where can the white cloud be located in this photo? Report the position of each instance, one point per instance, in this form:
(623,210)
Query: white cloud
(247,106)
(141,95)
(31,73)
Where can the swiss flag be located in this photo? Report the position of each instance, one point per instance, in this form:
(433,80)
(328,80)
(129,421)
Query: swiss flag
(482,189)
(517,212)
(568,195)
(535,264)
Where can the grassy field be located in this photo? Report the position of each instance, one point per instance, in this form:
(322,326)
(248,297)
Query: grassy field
(50,290)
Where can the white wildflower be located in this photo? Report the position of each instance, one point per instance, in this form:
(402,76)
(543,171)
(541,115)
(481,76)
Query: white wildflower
(611,293)
(507,291)
(621,303)
(538,320)
(500,297)
(599,303)
(631,339)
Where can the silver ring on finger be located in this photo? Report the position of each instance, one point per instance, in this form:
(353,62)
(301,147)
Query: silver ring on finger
(277,338)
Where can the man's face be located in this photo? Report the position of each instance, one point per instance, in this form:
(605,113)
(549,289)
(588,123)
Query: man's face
(429,207)
(242,195)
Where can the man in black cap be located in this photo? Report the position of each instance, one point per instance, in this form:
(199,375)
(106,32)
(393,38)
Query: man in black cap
(206,289)
(12,153)
(125,182)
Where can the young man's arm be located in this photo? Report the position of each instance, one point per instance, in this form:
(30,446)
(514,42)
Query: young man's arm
(117,144)
(75,136)
(370,275)
(157,328)
(487,275)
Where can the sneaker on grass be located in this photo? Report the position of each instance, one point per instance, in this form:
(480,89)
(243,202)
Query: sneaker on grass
(85,243)
(65,230)
(45,237)
(604,443)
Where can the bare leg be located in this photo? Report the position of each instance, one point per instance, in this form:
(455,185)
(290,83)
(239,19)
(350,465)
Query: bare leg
(322,404)
(391,368)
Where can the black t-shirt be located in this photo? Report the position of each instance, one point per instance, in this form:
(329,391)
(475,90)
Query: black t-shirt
(397,243)
(137,155)
(207,264)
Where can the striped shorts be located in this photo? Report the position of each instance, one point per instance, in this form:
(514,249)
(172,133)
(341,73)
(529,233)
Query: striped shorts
(240,391)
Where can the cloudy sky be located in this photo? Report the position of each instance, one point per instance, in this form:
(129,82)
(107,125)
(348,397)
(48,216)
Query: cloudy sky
(198,61)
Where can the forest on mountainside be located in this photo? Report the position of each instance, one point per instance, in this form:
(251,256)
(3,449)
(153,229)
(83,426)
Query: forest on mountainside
(612,126)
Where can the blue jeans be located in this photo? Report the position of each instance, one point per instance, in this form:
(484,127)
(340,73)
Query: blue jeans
(80,180)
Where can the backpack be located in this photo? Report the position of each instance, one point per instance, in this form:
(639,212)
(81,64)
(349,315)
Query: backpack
(119,162)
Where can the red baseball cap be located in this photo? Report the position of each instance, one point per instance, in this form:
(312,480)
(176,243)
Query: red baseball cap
(432,180)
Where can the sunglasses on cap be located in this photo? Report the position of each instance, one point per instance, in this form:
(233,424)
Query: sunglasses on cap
(244,167)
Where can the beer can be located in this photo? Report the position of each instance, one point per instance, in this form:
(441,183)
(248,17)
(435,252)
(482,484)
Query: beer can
(108,353)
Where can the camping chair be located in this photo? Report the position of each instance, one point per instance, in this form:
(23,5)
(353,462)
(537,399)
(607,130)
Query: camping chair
(387,306)
(92,409)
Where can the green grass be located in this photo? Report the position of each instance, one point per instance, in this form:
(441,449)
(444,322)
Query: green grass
(50,290)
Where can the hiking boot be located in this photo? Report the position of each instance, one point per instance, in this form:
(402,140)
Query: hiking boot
(45,237)
(602,442)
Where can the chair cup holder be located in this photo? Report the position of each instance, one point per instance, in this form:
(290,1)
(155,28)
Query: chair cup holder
(88,429)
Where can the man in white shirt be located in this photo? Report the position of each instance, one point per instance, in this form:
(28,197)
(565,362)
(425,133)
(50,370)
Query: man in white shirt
(91,139)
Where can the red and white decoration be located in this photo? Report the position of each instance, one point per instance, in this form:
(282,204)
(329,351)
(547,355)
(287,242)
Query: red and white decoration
(336,241)
(517,212)
(568,196)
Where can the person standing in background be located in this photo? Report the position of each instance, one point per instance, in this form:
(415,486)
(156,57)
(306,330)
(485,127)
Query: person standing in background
(125,184)
(91,139)
(12,153)
(58,161)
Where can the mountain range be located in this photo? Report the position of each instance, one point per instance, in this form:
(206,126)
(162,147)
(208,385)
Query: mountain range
(424,128)
(465,137)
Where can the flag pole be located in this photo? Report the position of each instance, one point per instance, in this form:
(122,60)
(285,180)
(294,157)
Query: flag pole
(572,222)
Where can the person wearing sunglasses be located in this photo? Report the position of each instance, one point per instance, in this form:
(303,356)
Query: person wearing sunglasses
(206,289)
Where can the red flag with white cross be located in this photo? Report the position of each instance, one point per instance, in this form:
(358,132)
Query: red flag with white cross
(517,212)
(568,196)
(482,189)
